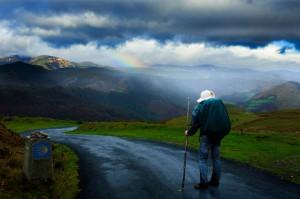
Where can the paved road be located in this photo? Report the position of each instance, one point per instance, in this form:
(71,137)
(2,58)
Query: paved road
(112,167)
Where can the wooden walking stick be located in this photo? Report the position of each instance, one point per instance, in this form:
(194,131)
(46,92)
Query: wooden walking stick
(186,145)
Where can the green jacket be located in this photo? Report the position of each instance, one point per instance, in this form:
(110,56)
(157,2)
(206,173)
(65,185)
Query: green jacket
(212,118)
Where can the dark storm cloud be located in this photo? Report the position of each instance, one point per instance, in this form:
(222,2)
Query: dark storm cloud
(246,22)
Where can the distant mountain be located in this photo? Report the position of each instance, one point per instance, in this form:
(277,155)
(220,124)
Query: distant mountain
(52,63)
(283,96)
(83,94)
(22,74)
(13,59)
(88,64)
(149,93)
(238,98)
(47,62)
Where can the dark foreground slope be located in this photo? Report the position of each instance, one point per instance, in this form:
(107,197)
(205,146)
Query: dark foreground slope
(84,104)
(14,185)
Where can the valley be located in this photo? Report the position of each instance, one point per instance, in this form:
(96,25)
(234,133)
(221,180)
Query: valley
(81,92)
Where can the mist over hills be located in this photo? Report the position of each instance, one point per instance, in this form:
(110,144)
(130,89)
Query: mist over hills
(233,84)
(82,94)
(54,87)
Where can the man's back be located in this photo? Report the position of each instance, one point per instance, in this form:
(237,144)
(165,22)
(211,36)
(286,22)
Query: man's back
(213,117)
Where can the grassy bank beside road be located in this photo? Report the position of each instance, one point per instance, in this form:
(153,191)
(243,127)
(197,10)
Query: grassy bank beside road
(21,124)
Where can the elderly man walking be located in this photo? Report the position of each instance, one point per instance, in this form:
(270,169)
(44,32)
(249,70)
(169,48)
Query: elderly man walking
(211,117)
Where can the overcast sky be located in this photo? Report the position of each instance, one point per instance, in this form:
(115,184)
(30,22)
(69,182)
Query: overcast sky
(261,34)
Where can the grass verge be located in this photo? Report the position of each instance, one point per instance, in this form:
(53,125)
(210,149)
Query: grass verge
(21,124)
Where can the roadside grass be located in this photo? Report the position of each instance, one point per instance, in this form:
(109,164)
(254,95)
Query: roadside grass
(65,184)
(21,124)
(273,152)
(280,121)
(66,172)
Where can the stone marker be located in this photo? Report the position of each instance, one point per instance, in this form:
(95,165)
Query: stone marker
(38,164)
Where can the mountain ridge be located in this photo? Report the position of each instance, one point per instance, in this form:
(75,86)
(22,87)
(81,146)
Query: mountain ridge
(46,61)
(82,94)
(279,97)
(156,87)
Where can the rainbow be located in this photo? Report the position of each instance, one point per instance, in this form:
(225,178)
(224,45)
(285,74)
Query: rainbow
(126,60)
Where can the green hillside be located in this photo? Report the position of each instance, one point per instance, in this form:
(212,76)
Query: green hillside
(285,121)
(280,97)
(262,104)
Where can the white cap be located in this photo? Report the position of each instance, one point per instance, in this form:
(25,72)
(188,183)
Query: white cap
(205,95)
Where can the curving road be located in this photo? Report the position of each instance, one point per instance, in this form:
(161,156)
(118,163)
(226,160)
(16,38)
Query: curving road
(112,167)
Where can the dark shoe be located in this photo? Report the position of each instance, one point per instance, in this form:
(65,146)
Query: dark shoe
(214,183)
(201,186)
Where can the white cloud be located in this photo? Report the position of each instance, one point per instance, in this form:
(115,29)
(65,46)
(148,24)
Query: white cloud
(271,52)
(87,18)
(150,52)
(39,31)
(68,20)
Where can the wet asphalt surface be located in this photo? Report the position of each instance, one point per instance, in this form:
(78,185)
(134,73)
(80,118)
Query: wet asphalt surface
(112,167)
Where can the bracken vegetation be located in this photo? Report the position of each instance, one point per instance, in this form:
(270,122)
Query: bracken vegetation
(13,184)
